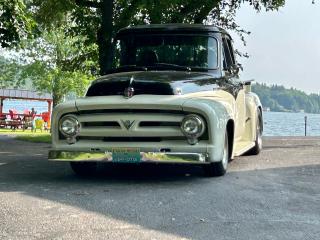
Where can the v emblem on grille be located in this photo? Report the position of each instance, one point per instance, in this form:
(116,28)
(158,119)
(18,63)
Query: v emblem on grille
(127,123)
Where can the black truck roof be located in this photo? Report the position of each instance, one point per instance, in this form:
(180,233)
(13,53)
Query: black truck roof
(172,27)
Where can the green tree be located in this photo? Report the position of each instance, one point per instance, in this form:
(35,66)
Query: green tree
(116,14)
(49,62)
(16,22)
(99,20)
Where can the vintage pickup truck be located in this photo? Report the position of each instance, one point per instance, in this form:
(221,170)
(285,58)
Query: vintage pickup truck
(173,96)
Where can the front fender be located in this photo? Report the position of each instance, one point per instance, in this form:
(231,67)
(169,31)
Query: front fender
(217,114)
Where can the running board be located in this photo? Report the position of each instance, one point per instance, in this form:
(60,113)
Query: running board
(242,147)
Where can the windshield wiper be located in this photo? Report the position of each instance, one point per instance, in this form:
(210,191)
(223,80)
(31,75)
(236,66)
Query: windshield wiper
(125,68)
(173,66)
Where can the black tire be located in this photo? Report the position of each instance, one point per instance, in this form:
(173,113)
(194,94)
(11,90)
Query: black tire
(217,169)
(84,169)
(258,142)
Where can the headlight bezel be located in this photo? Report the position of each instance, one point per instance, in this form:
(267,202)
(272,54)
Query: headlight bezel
(193,137)
(74,119)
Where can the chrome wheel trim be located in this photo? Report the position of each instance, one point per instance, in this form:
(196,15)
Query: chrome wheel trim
(225,158)
(259,134)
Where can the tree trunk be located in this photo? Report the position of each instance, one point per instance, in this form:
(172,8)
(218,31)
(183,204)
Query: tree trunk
(104,36)
(56,99)
(56,95)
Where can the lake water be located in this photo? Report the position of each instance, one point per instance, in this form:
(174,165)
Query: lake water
(290,124)
(275,123)
(20,106)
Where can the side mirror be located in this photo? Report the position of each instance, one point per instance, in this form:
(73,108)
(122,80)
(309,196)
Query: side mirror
(247,85)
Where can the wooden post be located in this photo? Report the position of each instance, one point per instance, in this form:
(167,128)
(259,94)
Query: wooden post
(1,105)
(49,110)
(305,125)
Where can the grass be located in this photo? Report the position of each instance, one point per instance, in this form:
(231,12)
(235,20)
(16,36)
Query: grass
(27,135)
(43,138)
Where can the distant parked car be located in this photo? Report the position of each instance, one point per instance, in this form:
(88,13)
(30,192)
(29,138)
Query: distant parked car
(173,96)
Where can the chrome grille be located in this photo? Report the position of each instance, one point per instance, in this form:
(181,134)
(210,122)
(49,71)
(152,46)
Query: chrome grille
(148,125)
(132,126)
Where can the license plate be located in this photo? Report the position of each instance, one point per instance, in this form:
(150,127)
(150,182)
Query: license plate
(126,155)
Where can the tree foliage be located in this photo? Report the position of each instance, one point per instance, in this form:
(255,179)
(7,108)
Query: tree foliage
(16,22)
(49,62)
(99,20)
(278,98)
(78,34)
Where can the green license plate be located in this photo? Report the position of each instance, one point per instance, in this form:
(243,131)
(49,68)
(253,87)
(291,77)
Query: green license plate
(126,155)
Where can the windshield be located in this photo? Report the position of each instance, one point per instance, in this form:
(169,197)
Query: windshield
(165,50)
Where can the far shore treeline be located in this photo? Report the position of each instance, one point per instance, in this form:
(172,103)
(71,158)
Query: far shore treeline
(280,99)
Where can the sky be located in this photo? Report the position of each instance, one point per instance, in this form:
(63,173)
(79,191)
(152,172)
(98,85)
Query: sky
(284,45)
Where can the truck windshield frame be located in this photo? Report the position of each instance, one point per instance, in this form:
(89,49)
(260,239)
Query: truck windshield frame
(151,50)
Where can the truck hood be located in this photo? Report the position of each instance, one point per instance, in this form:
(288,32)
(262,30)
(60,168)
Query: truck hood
(168,90)
(156,83)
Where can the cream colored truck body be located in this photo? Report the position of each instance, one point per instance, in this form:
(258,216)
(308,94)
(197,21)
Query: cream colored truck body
(227,105)
(217,106)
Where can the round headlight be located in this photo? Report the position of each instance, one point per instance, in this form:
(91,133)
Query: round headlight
(69,126)
(193,126)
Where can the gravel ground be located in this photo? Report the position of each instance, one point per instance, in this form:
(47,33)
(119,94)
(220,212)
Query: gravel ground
(275,195)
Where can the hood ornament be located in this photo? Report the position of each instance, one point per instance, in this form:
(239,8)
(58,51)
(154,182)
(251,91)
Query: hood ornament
(129,92)
(178,91)
(127,123)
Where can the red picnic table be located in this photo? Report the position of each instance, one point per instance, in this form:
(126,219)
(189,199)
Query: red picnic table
(15,120)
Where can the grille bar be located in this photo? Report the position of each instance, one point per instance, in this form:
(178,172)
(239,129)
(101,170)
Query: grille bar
(101,124)
(132,139)
(159,124)
(133,132)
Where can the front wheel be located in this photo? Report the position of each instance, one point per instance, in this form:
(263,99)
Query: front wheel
(84,168)
(216,169)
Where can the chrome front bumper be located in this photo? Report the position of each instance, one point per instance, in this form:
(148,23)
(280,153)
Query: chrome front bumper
(145,157)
